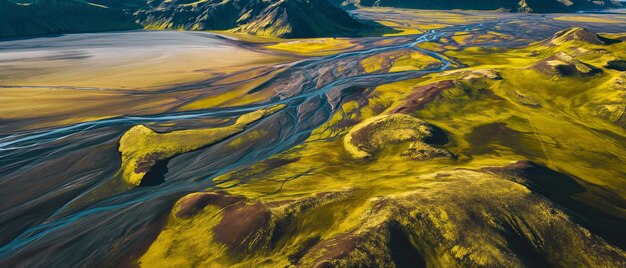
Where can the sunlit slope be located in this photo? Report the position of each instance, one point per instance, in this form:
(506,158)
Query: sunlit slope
(516,160)
(302,19)
(277,18)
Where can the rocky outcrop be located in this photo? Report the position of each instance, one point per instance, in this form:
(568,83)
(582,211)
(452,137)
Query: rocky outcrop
(564,65)
(618,65)
(612,112)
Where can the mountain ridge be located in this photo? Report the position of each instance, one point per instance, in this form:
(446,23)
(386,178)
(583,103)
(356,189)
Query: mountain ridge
(276,18)
(57,17)
(267,18)
(527,6)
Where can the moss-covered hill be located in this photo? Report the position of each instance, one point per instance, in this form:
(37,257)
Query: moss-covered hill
(514,161)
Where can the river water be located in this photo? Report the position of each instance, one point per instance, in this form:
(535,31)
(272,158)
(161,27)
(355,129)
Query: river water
(59,204)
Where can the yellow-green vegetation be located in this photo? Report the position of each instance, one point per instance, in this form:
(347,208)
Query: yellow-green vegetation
(398,61)
(244,226)
(415,21)
(260,28)
(404,29)
(196,251)
(429,213)
(596,19)
(314,47)
(557,111)
(537,134)
(246,37)
(473,38)
(142,147)
(369,137)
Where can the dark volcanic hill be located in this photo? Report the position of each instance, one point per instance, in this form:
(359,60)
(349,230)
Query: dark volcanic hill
(538,6)
(302,18)
(281,18)
(59,16)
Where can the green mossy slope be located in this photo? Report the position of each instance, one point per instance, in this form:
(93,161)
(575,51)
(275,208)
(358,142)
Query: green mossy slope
(537,177)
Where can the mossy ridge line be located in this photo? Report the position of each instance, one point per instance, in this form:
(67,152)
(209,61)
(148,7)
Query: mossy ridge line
(142,147)
(435,226)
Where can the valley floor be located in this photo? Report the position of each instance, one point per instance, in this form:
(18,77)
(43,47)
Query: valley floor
(450,138)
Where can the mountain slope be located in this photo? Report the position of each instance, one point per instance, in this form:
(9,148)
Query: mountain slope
(509,162)
(302,19)
(59,16)
(282,18)
(538,6)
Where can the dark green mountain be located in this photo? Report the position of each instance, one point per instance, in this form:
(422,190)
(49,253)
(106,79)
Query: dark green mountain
(59,16)
(281,18)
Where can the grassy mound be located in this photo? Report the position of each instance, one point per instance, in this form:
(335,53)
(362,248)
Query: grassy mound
(142,148)
(373,135)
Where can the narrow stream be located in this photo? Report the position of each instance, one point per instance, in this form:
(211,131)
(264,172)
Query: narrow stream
(79,217)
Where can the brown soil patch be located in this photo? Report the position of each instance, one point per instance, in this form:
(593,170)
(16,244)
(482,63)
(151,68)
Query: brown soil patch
(422,96)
